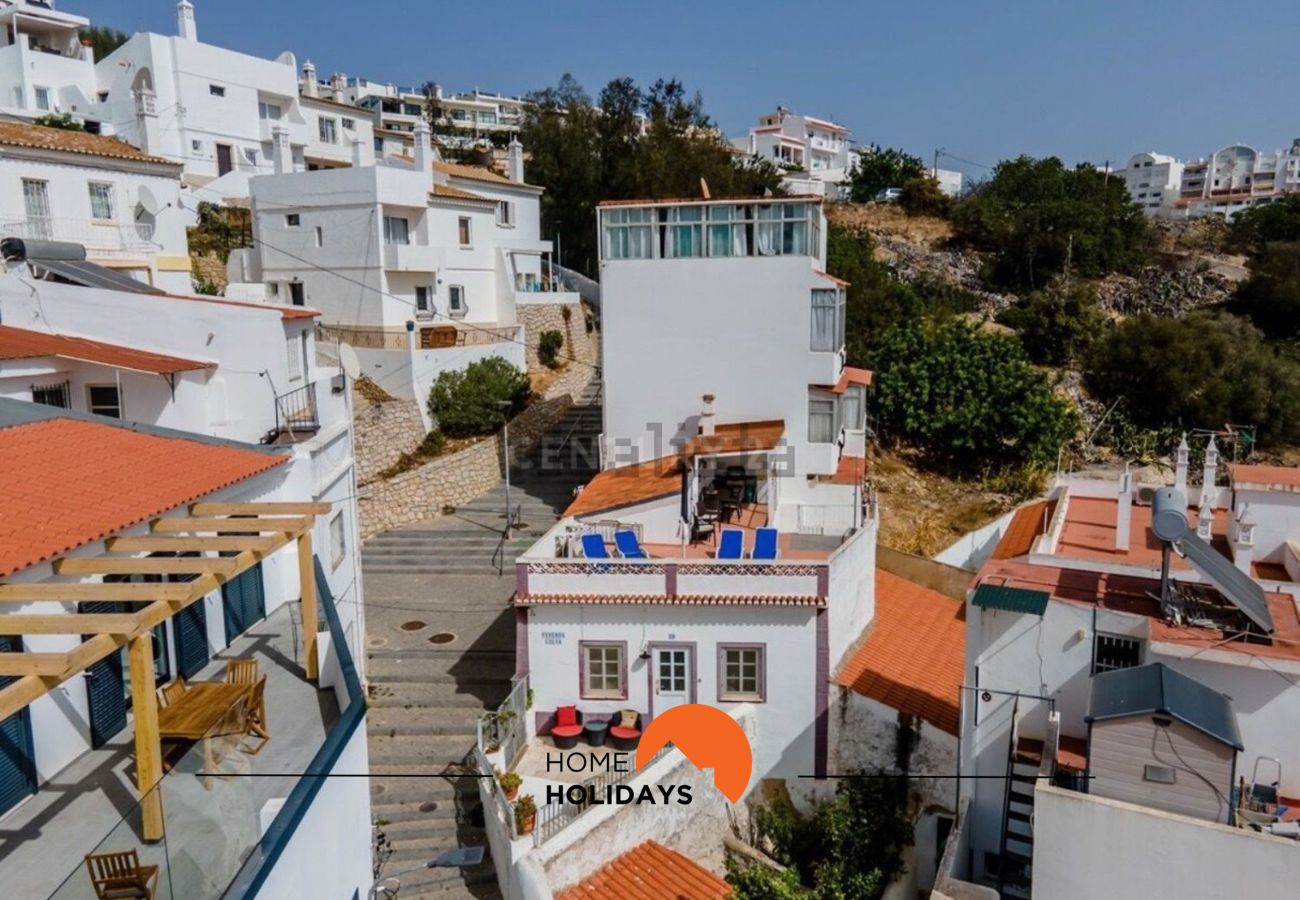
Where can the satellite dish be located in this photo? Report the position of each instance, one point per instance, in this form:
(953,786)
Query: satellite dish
(148,202)
(348,360)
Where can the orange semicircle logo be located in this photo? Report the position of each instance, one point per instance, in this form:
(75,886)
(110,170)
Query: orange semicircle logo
(709,738)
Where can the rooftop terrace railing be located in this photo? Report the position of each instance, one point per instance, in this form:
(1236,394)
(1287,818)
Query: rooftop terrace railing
(806,580)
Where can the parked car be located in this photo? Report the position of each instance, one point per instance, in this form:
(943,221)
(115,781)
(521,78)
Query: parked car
(889,195)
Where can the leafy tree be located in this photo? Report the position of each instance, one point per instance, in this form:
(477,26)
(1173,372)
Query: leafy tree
(879,168)
(1037,218)
(968,395)
(548,348)
(1271,296)
(1203,370)
(465,403)
(922,197)
(63,121)
(874,300)
(219,230)
(103,40)
(1260,225)
(1056,325)
(760,883)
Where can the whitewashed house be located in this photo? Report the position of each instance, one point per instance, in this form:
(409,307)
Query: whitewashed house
(121,204)
(816,152)
(1074,591)
(1153,181)
(44,67)
(421,265)
(1231,179)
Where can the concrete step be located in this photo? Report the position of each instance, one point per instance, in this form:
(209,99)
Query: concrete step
(422,721)
(446,790)
(391,815)
(441,831)
(434,666)
(423,755)
(423,695)
(478,883)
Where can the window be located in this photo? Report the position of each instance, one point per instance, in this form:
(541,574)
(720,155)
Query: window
(59,395)
(319,236)
(270,112)
(104,400)
(101,200)
(422,299)
(396,230)
(42,97)
(685,235)
(216,90)
(456,300)
(292,220)
(1110,652)
(782,229)
(296,293)
(821,420)
(463,231)
(727,231)
(604,673)
(505,214)
(297,363)
(853,408)
(348,124)
(196,146)
(628,233)
(36,203)
(328,131)
(827,320)
(487,118)
(741,674)
(458,115)
(338,540)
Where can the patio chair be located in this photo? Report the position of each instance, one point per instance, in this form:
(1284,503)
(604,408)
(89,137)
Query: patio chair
(241,671)
(765,544)
(625,729)
(119,876)
(255,716)
(732,544)
(567,728)
(628,546)
(170,692)
(593,547)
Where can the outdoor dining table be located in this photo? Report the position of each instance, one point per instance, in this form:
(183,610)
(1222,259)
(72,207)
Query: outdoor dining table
(195,712)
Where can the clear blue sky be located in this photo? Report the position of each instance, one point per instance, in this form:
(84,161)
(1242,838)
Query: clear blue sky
(986,80)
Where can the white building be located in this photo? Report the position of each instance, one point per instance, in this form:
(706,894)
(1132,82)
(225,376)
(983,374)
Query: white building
(1074,590)
(1153,181)
(472,115)
(1230,180)
(121,204)
(812,150)
(44,67)
(421,265)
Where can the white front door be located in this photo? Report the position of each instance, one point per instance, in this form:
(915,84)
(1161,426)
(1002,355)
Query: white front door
(672,678)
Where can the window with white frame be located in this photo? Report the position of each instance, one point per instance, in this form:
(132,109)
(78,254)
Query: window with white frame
(629,233)
(821,419)
(853,408)
(827,320)
(338,540)
(456,304)
(1111,652)
(423,299)
(464,233)
(397,230)
(296,367)
(505,213)
(348,124)
(728,231)
(604,675)
(101,200)
(741,673)
(104,400)
(685,235)
(42,98)
(319,235)
(292,220)
(328,130)
(269,112)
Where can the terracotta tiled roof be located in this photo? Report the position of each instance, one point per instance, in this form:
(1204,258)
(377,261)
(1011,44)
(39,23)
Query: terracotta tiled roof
(735,437)
(478,173)
(1283,476)
(446,191)
(676,600)
(658,201)
(913,657)
(19,343)
(627,485)
(1025,526)
(69,482)
(650,871)
(38,137)
(831,278)
(850,375)
(850,470)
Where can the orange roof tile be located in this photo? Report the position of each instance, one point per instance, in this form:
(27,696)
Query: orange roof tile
(446,191)
(627,485)
(850,470)
(1025,526)
(19,343)
(69,482)
(1282,476)
(850,375)
(831,278)
(1089,533)
(38,137)
(737,437)
(913,657)
(650,871)
(478,173)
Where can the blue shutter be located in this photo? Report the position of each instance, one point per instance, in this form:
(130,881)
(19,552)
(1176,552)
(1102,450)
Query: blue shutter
(191,629)
(17,764)
(105,687)
(245,602)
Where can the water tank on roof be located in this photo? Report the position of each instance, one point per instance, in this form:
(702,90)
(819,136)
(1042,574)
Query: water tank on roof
(1169,514)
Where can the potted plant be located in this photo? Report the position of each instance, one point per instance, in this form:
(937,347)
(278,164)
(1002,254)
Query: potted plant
(510,782)
(525,815)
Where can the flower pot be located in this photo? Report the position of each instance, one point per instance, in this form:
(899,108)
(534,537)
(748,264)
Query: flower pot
(525,826)
(511,794)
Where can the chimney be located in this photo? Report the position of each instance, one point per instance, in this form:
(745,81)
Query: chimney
(1243,545)
(1180,466)
(358,155)
(281,152)
(1205,519)
(708,420)
(1124,510)
(1211,468)
(422,150)
(515,161)
(339,83)
(146,115)
(310,86)
(186,29)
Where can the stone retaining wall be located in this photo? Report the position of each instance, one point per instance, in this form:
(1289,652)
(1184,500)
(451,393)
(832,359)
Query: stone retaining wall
(382,432)
(581,347)
(458,478)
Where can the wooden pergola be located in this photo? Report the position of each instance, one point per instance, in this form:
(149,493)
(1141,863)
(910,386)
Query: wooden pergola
(246,532)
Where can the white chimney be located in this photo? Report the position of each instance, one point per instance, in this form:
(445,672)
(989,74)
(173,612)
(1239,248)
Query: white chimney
(515,161)
(1180,466)
(339,82)
(1205,519)
(1211,468)
(358,152)
(186,28)
(1124,510)
(422,150)
(1243,545)
(708,419)
(281,151)
(310,86)
(146,116)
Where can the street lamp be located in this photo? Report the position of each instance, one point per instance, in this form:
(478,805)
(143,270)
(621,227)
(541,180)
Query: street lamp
(456,858)
(505,406)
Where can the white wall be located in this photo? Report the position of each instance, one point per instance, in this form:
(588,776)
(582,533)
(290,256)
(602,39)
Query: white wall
(1276,515)
(851,603)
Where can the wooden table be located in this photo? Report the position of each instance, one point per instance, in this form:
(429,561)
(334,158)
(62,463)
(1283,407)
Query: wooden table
(193,715)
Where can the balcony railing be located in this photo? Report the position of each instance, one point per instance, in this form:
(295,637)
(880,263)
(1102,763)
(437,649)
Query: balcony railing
(797,581)
(438,337)
(296,412)
(100,238)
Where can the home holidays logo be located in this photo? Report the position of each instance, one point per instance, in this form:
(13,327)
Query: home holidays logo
(705,735)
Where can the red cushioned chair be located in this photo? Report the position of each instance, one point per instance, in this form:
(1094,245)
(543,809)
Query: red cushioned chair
(624,738)
(568,727)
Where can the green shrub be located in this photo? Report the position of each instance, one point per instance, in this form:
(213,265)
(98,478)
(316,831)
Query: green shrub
(433,445)
(922,197)
(1269,223)
(1057,325)
(465,403)
(548,348)
(1271,296)
(760,883)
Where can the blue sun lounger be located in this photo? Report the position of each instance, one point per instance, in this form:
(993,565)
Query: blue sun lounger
(628,546)
(593,547)
(765,545)
(731,545)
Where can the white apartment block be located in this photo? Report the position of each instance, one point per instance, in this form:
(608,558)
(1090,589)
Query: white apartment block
(816,152)
(1230,180)
(473,115)
(1153,181)
(44,67)
(121,204)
